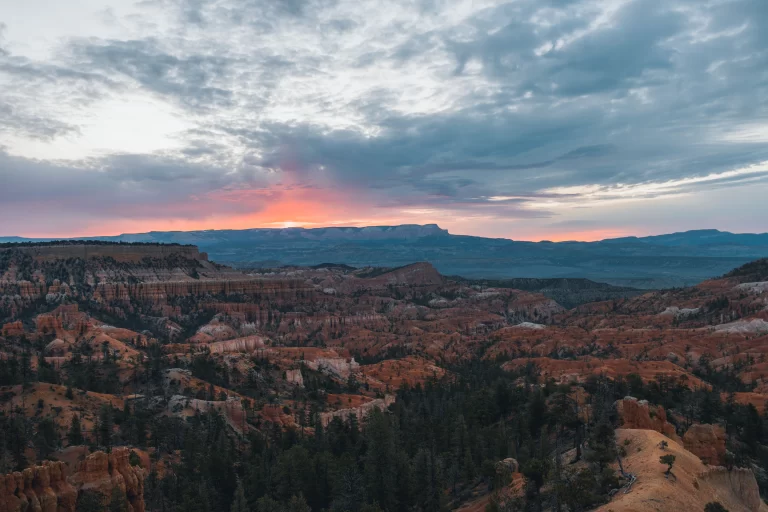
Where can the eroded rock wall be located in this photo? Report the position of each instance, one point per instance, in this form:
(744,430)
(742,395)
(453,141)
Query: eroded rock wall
(47,488)
(707,442)
(740,481)
(40,488)
(102,472)
(359,412)
(639,414)
(124,252)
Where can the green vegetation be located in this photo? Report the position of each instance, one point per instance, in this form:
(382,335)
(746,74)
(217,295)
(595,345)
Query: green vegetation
(669,460)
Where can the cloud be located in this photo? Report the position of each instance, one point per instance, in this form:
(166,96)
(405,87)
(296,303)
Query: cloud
(478,109)
(135,186)
(16,119)
(191,80)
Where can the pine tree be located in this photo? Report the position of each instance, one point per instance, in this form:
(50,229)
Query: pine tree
(602,445)
(239,503)
(75,434)
(106,423)
(297,504)
(47,439)
(379,463)
(118,501)
(27,374)
(669,460)
(90,501)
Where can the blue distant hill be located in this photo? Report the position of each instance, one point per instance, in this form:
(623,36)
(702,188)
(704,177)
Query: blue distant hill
(675,259)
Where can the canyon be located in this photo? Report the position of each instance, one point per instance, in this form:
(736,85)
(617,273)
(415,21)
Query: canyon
(165,331)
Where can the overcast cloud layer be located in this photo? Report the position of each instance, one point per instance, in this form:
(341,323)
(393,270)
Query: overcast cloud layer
(527,119)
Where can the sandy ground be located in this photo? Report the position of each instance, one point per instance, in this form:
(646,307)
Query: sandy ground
(690,491)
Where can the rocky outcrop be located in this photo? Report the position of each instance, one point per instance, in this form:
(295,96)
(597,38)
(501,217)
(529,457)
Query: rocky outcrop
(294,377)
(277,415)
(159,292)
(244,311)
(336,367)
(740,481)
(240,345)
(64,317)
(40,488)
(133,253)
(102,472)
(639,414)
(359,412)
(707,442)
(13,329)
(232,408)
(416,275)
(25,290)
(508,465)
(46,488)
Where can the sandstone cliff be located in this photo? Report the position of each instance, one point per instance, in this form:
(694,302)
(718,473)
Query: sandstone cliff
(120,252)
(638,414)
(47,488)
(159,292)
(40,488)
(244,345)
(102,472)
(706,442)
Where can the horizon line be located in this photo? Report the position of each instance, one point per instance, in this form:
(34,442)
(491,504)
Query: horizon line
(310,228)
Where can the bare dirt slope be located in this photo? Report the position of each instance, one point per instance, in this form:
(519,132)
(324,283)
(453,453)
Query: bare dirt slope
(695,485)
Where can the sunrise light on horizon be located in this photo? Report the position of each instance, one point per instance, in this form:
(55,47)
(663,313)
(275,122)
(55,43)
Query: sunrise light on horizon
(527,120)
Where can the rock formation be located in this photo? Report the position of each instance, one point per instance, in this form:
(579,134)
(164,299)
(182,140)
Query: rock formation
(46,488)
(159,292)
(706,442)
(739,481)
(359,412)
(337,367)
(13,329)
(638,414)
(102,472)
(40,488)
(294,377)
(244,345)
(134,253)
(231,409)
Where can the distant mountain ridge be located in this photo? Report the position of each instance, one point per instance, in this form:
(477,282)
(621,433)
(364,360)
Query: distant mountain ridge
(675,259)
(700,237)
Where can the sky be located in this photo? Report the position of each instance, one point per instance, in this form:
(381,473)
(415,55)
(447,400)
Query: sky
(526,119)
